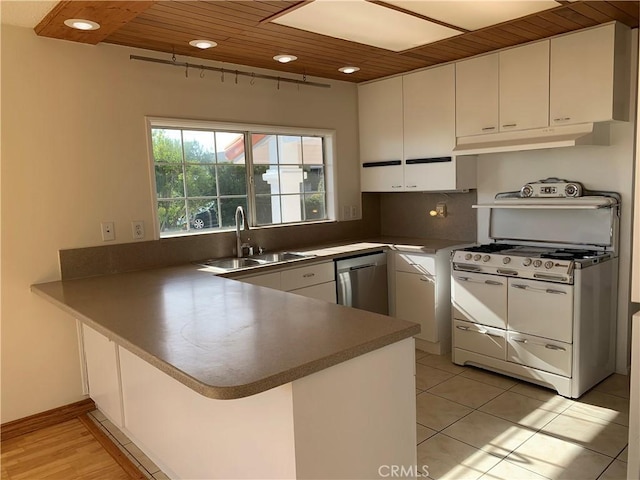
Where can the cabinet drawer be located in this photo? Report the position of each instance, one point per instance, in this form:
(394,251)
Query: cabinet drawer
(307,276)
(480,339)
(537,352)
(415,263)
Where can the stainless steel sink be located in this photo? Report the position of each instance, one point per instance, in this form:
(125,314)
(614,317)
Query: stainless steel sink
(231,264)
(281,256)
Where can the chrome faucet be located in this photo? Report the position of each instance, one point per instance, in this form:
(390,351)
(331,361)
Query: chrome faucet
(241,219)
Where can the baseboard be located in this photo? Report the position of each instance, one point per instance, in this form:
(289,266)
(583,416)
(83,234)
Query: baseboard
(45,419)
(111,449)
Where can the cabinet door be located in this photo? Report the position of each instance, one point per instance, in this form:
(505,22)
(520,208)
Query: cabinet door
(101,355)
(380,116)
(324,291)
(583,77)
(477,96)
(524,87)
(382,176)
(415,301)
(429,113)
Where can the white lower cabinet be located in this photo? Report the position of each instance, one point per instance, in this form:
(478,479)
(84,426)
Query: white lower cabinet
(103,372)
(420,294)
(313,281)
(415,301)
(323,291)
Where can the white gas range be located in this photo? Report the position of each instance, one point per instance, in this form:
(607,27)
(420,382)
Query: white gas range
(540,302)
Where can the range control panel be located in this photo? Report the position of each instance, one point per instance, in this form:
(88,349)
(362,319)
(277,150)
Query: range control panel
(552,187)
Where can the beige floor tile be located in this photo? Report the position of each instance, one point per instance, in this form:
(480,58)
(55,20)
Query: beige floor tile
(552,401)
(616,471)
(447,458)
(421,354)
(558,459)
(142,458)
(590,432)
(466,391)
(427,377)
(489,378)
(508,471)
(491,434)
(98,415)
(442,362)
(615,384)
(604,406)
(624,454)
(423,433)
(115,431)
(437,412)
(519,409)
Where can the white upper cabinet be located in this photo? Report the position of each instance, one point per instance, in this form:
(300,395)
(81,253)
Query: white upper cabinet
(590,76)
(524,87)
(429,100)
(503,91)
(477,96)
(381,150)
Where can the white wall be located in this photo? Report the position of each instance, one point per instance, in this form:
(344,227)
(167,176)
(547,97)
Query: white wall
(74,154)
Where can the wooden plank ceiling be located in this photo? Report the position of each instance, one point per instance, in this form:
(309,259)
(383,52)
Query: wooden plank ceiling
(246,36)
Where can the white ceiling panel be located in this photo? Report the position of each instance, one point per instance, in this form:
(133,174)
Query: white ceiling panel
(365,22)
(473,15)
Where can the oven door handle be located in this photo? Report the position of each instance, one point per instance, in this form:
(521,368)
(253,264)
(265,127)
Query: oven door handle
(555,347)
(460,327)
(482,282)
(555,292)
(552,291)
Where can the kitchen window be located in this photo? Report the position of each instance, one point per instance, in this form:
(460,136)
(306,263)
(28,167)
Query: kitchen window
(202,171)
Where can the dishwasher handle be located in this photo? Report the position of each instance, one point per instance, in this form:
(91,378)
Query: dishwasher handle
(360,267)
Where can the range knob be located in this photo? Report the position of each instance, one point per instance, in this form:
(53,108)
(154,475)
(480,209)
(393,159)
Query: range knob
(526,262)
(468,256)
(548,264)
(486,258)
(477,257)
(526,191)
(506,260)
(572,190)
(537,263)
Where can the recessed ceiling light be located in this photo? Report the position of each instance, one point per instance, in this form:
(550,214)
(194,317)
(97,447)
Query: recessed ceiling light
(81,24)
(285,58)
(203,44)
(348,70)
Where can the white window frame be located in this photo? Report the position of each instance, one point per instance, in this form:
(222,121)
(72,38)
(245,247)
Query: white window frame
(330,167)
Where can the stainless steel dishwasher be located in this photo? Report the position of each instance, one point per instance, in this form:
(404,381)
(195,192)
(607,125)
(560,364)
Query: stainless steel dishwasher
(362,282)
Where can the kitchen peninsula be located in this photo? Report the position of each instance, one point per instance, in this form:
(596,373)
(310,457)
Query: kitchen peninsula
(215,378)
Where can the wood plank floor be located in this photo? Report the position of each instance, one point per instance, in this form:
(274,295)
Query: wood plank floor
(67,451)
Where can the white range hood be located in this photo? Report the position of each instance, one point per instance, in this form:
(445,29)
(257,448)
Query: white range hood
(535,139)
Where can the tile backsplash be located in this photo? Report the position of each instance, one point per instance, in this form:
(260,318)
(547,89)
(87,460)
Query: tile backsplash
(406,214)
